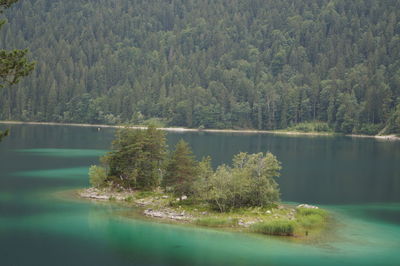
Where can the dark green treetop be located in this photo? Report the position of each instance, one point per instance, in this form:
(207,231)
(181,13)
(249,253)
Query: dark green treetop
(136,159)
(181,170)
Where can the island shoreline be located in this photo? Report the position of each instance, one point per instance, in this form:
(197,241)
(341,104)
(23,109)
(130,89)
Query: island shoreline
(155,209)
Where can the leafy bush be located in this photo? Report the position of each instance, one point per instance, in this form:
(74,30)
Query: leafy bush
(311,127)
(156,122)
(278,227)
(250,182)
(369,129)
(97,176)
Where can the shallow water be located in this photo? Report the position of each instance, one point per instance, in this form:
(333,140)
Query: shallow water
(356,179)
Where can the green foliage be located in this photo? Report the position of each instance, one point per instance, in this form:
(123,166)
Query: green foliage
(6,4)
(213,64)
(393,124)
(277,227)
(311,127)
(145,194)
(217,222)
(13,66)
(181,170)
(250,182)
(13,63)
(137,158)
(137,162)
(368,129)
(309,211)
(4,134)
(97,176)
(154,121)
(311,221)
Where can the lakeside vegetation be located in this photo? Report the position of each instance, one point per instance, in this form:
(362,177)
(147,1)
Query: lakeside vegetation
(173,185)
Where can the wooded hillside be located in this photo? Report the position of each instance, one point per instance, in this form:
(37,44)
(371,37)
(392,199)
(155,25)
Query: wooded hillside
(263,64)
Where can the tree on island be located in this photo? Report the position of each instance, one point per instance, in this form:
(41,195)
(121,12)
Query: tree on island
(181,170)
(138,158)
(13,63)
(135,161)
(250,182)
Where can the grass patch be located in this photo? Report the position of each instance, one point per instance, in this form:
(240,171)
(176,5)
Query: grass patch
(308,211)
(217,222)
(145,194)
(129,199)
(278,228)
(311,219)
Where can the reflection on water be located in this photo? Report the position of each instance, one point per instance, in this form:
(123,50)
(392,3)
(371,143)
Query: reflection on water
(356,179)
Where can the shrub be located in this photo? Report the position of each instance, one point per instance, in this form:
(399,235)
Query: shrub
(278,227)
(369,129)
(97,176)
(250,182)
(311,127)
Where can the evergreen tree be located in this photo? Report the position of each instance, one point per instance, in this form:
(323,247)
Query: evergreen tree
(207,64)
(181,170)
(13,64)
(137,158)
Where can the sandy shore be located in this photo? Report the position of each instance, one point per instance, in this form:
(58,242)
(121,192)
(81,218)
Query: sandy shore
(182,129)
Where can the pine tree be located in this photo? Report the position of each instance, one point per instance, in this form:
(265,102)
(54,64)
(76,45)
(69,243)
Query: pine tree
(13,64)
(181,170)
(137,158)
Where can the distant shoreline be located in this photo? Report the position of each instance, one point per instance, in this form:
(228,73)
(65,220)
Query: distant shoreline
(182,129)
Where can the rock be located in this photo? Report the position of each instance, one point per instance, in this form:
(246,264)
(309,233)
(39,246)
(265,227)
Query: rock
(165,197)
(306,206)
(268,212)
(184,197)
(168,214)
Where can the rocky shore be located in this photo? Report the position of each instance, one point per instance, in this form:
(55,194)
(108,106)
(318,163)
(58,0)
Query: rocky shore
(158,210)
(158,207)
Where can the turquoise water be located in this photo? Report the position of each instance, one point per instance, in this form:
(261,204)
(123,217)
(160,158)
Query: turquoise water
(356,179)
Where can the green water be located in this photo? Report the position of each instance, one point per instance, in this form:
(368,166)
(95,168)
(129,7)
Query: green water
(356,179)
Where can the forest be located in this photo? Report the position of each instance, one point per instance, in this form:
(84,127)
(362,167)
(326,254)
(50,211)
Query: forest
(260,64)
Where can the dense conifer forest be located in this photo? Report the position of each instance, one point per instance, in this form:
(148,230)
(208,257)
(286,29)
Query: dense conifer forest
(263,64)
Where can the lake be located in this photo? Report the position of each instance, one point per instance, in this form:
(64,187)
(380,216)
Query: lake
(357,179)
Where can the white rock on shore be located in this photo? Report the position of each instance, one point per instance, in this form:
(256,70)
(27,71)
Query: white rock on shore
(306,206)
(168,214)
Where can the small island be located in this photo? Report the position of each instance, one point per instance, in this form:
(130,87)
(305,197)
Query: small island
(174,187)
